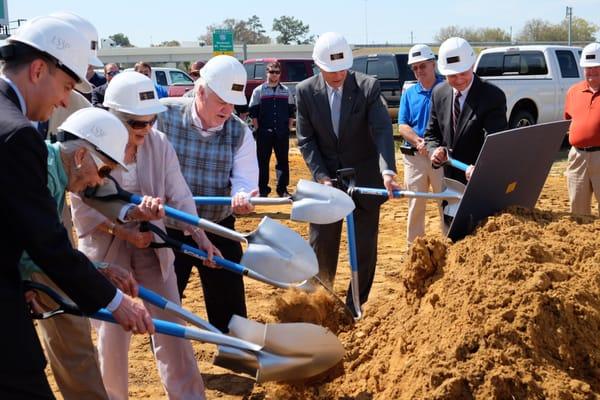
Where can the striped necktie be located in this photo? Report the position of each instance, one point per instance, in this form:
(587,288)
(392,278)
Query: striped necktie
(456,110)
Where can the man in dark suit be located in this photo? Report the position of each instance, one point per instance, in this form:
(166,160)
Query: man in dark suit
(110,71)
(342,122)
(37,75)
(464,109)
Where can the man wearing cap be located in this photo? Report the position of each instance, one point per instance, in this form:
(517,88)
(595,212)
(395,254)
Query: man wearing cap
(43,61)
(582,107)
(342,122)
(464,109)
(217,154)
(415,105)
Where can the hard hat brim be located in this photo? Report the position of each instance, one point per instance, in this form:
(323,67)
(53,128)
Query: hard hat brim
(337,68)
(589,64)
(155,109)
(95,61)
(453,71)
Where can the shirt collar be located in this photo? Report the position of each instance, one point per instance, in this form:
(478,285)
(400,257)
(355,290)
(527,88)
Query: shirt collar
(62,174)
(197,122)
(17,91)
(331,89)
(464,93)
(438,79)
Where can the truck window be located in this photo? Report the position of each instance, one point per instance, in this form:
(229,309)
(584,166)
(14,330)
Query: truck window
(260,71)
(525,63)
(161,78)
(249,70)
(490,64)
(382,68)
(360,65)
(406,73)
(567,63)
(296,71)
(180,77)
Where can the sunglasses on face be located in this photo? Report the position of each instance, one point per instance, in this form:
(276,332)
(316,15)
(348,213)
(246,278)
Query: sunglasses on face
(136,124)
(195,74)
(274,72)
(112,73)
(420,67)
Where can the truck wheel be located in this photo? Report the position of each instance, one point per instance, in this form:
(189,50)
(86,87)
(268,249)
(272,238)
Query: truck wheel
(521,118)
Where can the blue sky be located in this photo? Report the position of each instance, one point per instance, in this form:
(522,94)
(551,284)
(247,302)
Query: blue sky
(153,21)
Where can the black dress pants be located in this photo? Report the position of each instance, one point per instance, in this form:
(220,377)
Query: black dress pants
(223,290)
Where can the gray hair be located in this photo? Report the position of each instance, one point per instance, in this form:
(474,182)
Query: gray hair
(201,83)
(71,146)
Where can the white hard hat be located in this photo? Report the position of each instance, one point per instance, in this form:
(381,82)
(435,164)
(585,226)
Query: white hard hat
(332,53)
(419,53)
(85,27)
(227,77)
(60,40)
(132,93)
(590,56)
(456,55)
(104,131)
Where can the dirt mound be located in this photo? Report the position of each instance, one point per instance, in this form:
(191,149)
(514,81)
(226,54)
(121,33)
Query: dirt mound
(319,307)
(510,312)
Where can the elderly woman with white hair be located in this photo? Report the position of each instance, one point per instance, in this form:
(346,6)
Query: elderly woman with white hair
(153,169)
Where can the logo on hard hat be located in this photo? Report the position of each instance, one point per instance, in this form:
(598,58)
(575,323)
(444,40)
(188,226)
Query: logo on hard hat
(452,60)
(237,87)
(97,131)
(147,95)
(590,56)
(60,43)
(336,56)
(94,45)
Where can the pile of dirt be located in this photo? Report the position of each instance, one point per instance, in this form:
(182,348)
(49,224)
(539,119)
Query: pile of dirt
(511,312)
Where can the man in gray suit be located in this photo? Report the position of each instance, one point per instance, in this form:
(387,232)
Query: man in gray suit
(342,122)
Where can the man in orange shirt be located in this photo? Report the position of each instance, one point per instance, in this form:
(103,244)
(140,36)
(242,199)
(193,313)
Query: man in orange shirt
(582,107)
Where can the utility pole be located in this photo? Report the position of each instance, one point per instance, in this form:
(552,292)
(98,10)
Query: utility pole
(411,37)
(366,26)
(569,14)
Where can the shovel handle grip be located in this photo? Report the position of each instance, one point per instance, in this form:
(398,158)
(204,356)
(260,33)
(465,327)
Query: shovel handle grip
(195,221)
(224,200)
(164,327)
(458,164)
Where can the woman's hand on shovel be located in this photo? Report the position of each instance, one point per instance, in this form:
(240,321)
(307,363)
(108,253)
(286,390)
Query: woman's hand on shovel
(133,316)
(205,244)
(121,278)
(150,209)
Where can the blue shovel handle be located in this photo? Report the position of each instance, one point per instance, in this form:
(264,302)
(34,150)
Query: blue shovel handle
(170,211)
(458,164)
(164,327)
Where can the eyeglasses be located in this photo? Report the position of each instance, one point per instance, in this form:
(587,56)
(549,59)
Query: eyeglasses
(103,169)
(418,67)
(112,73)
(136,124)
(274,72)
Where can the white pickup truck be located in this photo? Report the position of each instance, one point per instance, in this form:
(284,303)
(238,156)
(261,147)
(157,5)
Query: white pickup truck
(534,78)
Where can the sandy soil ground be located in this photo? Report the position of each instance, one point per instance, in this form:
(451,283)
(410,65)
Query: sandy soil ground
(510,312)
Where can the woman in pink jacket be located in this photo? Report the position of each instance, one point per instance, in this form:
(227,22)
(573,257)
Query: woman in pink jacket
(153,170)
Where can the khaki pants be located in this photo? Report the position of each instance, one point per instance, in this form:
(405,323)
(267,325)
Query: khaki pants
(583,179)
(419,175)
(175,359)
(71,352)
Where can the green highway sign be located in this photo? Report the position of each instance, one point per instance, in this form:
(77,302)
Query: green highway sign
(222,42)
(3,12)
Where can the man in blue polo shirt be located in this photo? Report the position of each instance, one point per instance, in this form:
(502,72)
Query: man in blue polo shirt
(413,117)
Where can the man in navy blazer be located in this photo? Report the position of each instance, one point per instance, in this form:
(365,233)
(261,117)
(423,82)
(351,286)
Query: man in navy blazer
(43,62)
(464,109)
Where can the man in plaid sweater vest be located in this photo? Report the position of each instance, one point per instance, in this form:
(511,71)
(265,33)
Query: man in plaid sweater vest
(217,155)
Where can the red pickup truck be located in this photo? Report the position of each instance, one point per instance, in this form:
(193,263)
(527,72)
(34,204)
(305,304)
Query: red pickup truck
(292,72)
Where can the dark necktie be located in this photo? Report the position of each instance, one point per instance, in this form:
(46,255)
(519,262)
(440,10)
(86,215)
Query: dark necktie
(456,111)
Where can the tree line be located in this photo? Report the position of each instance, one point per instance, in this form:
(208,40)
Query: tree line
(250,31)
(534,30)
